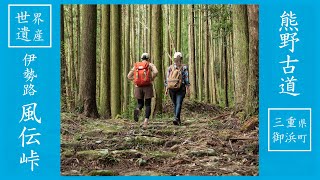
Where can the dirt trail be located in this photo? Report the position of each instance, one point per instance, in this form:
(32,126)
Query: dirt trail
(209,142)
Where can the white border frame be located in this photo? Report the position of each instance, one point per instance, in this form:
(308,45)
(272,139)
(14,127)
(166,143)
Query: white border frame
(14,5)
(287,109)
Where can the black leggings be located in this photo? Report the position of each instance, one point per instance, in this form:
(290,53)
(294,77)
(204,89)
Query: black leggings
(147,102)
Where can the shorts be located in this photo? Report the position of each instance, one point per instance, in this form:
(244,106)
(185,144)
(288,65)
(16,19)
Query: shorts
(145,92)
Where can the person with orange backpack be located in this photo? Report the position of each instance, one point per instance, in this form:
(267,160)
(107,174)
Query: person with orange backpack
(177,85)
(143,73)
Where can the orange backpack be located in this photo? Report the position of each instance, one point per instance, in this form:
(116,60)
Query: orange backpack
(142,74)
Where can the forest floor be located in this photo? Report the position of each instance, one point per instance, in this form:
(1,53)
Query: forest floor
(209,142)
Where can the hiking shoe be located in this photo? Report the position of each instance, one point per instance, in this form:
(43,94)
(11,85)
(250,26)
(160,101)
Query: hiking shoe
(145,125)
(175,122)
(136,115)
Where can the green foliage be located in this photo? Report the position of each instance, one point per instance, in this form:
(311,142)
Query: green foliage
(216,124)
(103,173)
(128,112)
(161,154)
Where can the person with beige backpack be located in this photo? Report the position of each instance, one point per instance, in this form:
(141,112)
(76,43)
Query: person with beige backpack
(177,85)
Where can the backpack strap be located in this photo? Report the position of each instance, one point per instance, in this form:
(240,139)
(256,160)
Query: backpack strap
(181,68)
(136,69)
(171,68)
(148,64)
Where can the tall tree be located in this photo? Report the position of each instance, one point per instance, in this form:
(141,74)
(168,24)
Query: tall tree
(230,60)
(200,55)
(98,53)
(133,36)
(240,36)
(225,83)
(79,55)
(76,52)
(132,50)
(212,66)
(139,34)
(192,67)
(149,28)
(70,57)
(66,58)
(145,28)
(252,88)
(179,23)
(220,53)
(88,61)
(175,25)
(115,56)
(168,37)
(105,110)
(206,57)
(224,29)
(62,57)
(127,57)
(157,53)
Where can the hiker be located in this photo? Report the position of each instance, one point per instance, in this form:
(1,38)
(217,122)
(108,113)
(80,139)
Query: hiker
(143,73)
(177,85)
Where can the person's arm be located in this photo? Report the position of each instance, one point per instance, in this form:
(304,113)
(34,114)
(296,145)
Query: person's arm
(186,80)
(186,76)
(130,74)
(154,71)
(166,80)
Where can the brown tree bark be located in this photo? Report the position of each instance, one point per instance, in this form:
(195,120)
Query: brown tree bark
(200,55)
(206,55)
(70,57)
(115,54)
(157,54)
(192,67)
(240,36)
(175,26)
(63,59)
(88,61)
(77,54)
(105,110)
(179,23)
(253,70)
(226,87)
(149,28)
(127,57)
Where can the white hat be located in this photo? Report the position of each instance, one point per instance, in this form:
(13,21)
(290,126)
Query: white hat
(176,54)
(145,56)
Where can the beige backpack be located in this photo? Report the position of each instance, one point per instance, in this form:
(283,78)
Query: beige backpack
(175,78)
